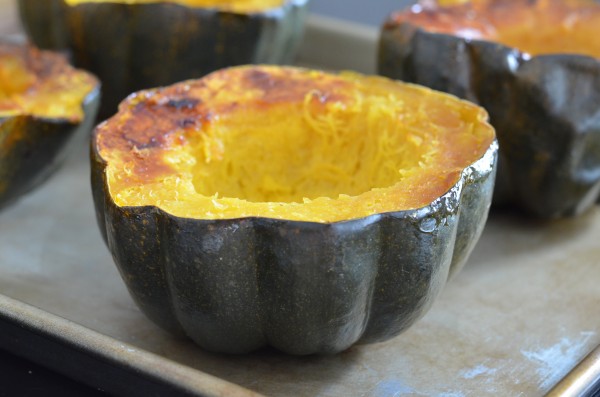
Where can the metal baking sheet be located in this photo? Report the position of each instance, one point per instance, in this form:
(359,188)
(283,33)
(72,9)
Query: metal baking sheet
(516,320)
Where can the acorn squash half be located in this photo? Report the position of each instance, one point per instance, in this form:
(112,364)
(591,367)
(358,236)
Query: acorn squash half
(534,66)
(135,44)
(44,102)
(266,205)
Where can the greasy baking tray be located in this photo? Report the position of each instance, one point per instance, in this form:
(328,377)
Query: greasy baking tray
(516,320)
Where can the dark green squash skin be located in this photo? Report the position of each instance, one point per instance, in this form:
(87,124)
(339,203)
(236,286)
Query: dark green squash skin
(42,144)
(155,44)
(545,109)
(237,285)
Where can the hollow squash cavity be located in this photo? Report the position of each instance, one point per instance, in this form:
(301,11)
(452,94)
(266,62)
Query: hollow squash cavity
(535,27)
(289,143)
(42,84)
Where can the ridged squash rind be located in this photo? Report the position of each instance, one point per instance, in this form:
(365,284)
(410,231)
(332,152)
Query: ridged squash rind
(545,109)
(34,141)
(235,279)
(236,285)
(135,46)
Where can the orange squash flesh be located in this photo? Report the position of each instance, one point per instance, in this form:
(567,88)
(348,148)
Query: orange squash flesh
(535,27)
(230,5)
(289,143)
(41,84)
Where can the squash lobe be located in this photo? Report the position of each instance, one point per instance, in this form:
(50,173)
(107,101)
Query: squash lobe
(159,43)
(293,275)
(541,89)
(44,103)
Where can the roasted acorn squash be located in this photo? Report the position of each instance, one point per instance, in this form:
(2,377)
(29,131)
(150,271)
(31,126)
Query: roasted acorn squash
(534,66)
(266,205)
(136,44)
(43,103)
